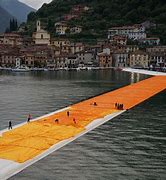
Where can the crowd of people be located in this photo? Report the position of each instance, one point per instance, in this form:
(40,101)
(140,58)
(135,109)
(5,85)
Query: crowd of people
(118,106)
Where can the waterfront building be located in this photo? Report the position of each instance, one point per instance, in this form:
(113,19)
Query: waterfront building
(31,56)
(119,39)
(66,61)
(120,59)
(37,55)
(105,60)
(41,36)
(134,32)
(51,64)
(9,59)
(158,59)
(8,55)
(85,58)
(42,54)
(72,61)
(95,49)
(76,47)
(139,59)
(29,59)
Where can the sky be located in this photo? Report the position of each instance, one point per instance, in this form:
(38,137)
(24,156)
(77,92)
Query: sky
(35,3)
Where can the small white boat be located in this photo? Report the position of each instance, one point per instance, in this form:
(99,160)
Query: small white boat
(46,69)
(21,69)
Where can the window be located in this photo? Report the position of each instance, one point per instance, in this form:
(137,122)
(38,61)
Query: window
(41,36)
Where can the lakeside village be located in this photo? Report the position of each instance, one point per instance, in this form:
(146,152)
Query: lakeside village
(41,52)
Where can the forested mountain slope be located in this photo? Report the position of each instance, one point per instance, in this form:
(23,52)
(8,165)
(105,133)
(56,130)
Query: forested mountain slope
(104,14)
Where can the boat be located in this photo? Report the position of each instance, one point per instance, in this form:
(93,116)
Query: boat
(21,69)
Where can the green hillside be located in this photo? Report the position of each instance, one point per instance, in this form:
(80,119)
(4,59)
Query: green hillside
(104,14)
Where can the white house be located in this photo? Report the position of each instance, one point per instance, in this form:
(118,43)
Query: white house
(61,28)
(134,32)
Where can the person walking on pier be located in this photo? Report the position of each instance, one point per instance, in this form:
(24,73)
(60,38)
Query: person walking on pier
(116,104)
(68,113)
(74,121)
(57,121)
(10,125)
(29,118)
(95,104)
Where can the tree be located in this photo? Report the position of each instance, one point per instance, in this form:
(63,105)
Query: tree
(13,25)
(31,16)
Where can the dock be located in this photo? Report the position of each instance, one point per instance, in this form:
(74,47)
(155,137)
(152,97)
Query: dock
(27,143)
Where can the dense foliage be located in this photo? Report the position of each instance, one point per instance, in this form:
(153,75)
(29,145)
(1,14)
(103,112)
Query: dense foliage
(104,14)
(13,25)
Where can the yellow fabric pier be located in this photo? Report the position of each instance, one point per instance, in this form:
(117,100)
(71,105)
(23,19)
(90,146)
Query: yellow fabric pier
(29,140)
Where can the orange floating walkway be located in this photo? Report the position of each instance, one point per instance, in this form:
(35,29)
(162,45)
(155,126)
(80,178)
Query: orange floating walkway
(27,141)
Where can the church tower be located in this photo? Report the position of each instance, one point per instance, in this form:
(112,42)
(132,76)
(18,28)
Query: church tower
(38,26)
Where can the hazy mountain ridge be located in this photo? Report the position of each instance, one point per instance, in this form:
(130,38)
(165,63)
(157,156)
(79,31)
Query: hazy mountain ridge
(4,19)
(16,9)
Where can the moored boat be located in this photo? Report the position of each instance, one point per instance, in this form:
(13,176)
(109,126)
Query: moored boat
(21,69)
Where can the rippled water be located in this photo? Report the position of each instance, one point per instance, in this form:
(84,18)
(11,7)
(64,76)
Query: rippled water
(131,146)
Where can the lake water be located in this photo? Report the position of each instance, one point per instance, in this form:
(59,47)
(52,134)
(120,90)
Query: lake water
(131,146)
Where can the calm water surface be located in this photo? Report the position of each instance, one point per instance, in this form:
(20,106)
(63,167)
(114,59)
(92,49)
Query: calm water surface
(131,146)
